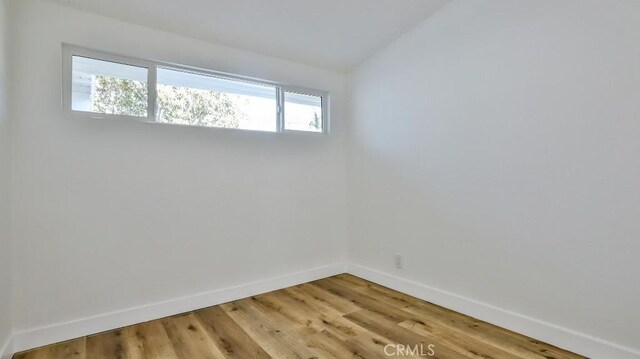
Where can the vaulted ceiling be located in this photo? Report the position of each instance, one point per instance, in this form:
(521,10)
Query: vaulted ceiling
(332,34)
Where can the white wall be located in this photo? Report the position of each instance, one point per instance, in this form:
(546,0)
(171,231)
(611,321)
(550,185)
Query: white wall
(112,215)
(5,179)
(497,147)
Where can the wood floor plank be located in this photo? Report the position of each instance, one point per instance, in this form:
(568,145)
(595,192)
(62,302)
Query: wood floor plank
(190,338)
(228,335)
(306,314)
(148,341)
(329,346)
(311,303)
(343,328)
(363,301)
(269,334)
(288,313)
(340,304)
(329,321)
(140,341)
(106,345)
(338,317)
(73,349)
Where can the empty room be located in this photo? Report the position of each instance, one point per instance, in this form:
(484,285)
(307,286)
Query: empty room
(366,179)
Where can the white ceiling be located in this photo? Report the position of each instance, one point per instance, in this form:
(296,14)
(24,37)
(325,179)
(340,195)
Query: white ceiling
(333,34)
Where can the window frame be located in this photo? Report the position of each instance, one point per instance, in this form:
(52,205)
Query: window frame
(69,51)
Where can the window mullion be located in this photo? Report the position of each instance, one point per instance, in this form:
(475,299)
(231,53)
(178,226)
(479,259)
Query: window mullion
(152,88)
(280,100)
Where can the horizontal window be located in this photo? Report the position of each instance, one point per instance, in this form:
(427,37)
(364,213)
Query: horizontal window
(100,85)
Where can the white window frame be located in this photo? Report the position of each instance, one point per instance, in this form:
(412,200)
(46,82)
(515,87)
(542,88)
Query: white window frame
(68,51)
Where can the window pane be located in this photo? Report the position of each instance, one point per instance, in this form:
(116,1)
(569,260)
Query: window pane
(108,87)
(199,100)
(302,112)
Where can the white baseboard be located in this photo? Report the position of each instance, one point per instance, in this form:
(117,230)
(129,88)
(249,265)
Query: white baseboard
(77,328)
(6,350)
(546,332)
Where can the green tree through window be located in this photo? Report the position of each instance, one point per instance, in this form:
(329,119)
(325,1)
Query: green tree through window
(119,96)
(176,105)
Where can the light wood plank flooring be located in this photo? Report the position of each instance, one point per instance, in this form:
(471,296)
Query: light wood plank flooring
(338,317)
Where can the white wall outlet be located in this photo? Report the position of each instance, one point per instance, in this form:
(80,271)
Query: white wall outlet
(398,261)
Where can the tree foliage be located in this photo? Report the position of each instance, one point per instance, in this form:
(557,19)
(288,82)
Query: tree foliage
(315,123)
(119,96)
(195,107)
(177,105)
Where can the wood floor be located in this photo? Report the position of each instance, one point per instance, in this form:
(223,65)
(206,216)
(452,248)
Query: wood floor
(338,317)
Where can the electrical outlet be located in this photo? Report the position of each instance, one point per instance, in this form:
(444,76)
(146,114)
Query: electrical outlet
(399,261)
